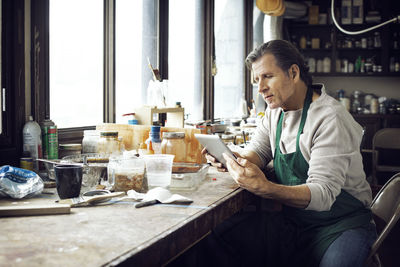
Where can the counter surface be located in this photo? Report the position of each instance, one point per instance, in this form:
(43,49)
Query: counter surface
(118,233)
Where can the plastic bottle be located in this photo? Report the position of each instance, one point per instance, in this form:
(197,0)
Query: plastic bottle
(32,141)
(154,141)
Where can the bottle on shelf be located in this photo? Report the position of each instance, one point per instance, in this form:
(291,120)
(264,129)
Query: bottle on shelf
(377,40)
(154,141)
(356,102)
(395,41)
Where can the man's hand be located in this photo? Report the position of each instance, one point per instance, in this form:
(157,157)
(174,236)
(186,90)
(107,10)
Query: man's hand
(214,162)
(250,177)
(247,175)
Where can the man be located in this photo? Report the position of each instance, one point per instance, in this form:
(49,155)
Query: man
(314,144)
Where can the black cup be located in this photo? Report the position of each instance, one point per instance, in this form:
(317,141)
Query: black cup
(68,180)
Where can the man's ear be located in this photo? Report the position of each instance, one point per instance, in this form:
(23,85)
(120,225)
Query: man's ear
(294,70)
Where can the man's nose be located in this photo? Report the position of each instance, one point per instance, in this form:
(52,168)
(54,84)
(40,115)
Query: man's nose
(262,86)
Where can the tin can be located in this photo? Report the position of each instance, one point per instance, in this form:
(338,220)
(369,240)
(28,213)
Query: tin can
(26,163)
(50,139)
(52,136)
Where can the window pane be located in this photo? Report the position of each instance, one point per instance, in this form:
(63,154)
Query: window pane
(132,72)
(185,56)
(76,62)
(229,51)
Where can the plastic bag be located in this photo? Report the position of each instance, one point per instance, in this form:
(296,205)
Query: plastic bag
(19,183)
(157,93)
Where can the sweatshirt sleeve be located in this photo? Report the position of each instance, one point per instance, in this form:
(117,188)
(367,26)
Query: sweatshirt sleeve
(335,142)
(260,142)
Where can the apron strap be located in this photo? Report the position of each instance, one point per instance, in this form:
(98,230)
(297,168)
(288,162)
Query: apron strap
(306,105)
(307,102)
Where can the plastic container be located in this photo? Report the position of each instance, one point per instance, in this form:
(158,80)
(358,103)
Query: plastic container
(158,169)
(109,144)
(32,141)
(90,141)
(174,143)
(126,173)
(188,180)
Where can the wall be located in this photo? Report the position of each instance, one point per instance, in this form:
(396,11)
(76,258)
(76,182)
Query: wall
(380,86)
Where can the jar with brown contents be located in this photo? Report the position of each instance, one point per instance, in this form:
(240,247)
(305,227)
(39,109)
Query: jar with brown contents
(127,173)
(174,143)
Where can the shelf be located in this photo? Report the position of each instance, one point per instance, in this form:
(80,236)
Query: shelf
(340,74)
(309,50)
(314,26)
(360,50)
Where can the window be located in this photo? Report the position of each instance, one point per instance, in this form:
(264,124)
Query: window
(136,44)
(76,62)
(185,56)
(230,54)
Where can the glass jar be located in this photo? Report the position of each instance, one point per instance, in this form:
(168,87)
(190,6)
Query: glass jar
(228,138)
(90,141)
(174,143)
(109,144)
(69,150)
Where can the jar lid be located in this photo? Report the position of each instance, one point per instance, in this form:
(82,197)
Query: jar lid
(113,134)
(70,146)
(91,132)
(174,135)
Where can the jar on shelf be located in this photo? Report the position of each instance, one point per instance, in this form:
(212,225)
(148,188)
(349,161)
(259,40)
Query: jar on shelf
(109,144)
(90,141)
(174,143)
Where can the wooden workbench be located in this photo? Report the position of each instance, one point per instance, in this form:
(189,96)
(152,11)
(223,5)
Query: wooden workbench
(118,234)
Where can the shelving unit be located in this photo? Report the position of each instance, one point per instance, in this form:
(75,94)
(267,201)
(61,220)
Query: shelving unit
(332,41)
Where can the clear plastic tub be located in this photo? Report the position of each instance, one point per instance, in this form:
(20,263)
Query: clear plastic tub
(126,173)
(188,180)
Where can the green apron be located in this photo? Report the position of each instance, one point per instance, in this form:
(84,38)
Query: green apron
(315,230)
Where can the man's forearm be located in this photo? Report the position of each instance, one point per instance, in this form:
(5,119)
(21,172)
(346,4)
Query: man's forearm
(298,196)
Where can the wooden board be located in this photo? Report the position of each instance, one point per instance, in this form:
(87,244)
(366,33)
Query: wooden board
(44,209)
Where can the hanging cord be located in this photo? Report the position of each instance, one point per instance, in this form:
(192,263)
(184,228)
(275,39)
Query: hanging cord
(396,19)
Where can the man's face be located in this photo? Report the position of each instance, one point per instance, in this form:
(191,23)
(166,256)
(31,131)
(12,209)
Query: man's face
(274,84)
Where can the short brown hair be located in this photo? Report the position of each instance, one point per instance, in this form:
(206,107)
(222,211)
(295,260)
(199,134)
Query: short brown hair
(285,54)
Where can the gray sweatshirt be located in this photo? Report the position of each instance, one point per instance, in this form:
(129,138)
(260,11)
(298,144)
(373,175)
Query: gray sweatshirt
(330,143)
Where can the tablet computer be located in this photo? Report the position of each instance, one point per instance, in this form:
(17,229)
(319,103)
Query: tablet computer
(215,146)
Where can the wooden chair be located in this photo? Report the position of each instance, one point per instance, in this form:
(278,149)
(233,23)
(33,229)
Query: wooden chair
(386,209)
(387,138)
